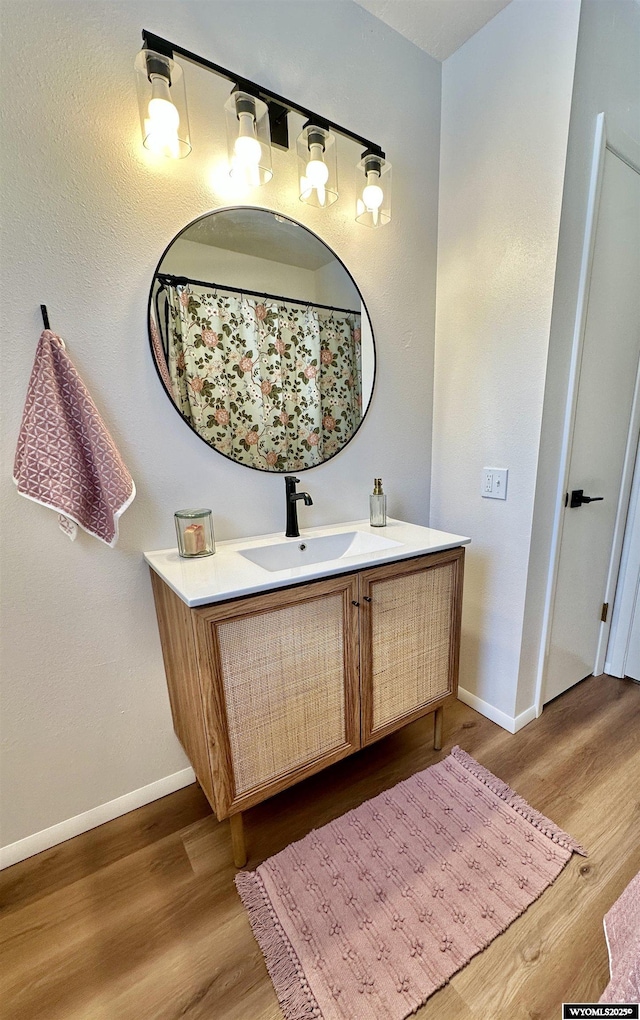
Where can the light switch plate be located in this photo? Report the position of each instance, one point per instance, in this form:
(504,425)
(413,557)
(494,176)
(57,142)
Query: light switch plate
(494,483)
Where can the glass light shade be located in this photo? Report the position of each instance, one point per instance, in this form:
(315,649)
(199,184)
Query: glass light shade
(162,103)
(248,139)
(317,166)
(373,191)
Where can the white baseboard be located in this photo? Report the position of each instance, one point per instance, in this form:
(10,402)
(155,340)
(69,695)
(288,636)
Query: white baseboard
(47,838)
(525,718)
(508,722)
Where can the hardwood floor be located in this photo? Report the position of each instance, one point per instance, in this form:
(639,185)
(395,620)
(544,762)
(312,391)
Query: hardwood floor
(140,918)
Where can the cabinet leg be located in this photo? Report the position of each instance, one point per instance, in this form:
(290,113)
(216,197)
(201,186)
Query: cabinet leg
(437,728)
(237,840)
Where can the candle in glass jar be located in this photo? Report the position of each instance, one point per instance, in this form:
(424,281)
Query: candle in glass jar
(194,529)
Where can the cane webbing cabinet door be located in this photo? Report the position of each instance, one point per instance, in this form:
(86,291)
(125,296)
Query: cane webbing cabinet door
(282,671)
(409,639)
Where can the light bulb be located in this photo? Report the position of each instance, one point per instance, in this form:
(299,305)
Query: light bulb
(247,148)
(164,114)
(161,126)
(373,205)
(316,175)
(317,171)
(372,193)
(248,140)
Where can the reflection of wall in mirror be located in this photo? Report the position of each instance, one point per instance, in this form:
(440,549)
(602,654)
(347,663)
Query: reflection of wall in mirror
(333,287)
(235,269)
(329,284)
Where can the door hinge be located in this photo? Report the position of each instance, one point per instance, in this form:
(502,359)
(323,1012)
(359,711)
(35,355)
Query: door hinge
(605,612)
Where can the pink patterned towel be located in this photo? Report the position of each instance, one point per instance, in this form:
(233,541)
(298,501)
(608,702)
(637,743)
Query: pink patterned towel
(65,458)
(622,929)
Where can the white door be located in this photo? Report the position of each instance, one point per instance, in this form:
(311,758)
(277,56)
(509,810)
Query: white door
(632,666)
(603,415)
(623,648)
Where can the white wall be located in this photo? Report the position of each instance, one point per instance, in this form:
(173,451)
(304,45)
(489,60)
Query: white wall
(333,287)
(506,98)
(607,79)
(87,213)
(234,269)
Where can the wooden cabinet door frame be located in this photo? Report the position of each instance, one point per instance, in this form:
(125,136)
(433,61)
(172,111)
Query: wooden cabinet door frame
(368,581)
(207,619)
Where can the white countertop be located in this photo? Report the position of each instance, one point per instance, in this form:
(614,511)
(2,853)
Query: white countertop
(228,574)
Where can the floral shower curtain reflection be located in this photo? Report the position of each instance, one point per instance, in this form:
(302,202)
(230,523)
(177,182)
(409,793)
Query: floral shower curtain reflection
(274,385)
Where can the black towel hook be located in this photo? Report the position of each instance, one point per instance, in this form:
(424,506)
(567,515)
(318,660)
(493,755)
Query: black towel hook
(45,316)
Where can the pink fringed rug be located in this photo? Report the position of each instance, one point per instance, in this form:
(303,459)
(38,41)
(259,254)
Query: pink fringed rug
(366,917)
(622,929)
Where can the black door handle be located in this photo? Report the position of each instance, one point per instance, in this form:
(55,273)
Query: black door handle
(578,498)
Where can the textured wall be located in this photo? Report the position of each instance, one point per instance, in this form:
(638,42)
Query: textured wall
(506,98)
(85,716)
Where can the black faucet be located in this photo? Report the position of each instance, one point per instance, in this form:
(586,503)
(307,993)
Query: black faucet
(292,505)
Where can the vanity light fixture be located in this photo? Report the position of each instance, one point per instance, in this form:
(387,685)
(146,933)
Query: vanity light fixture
(162,103)
(256,119)
(317,165)
(373,186)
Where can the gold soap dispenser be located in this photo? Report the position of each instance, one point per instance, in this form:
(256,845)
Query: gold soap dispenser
(377,505)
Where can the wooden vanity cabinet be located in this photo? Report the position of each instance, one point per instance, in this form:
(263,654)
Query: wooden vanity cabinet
(271,688)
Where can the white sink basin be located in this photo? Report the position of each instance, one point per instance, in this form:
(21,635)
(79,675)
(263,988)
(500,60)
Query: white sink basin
(265,562)
(298,552)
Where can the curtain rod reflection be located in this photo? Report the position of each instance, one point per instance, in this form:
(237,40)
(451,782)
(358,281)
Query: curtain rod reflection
(175,280)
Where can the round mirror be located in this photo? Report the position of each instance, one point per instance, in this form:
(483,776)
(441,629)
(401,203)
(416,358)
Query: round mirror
(261,339)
